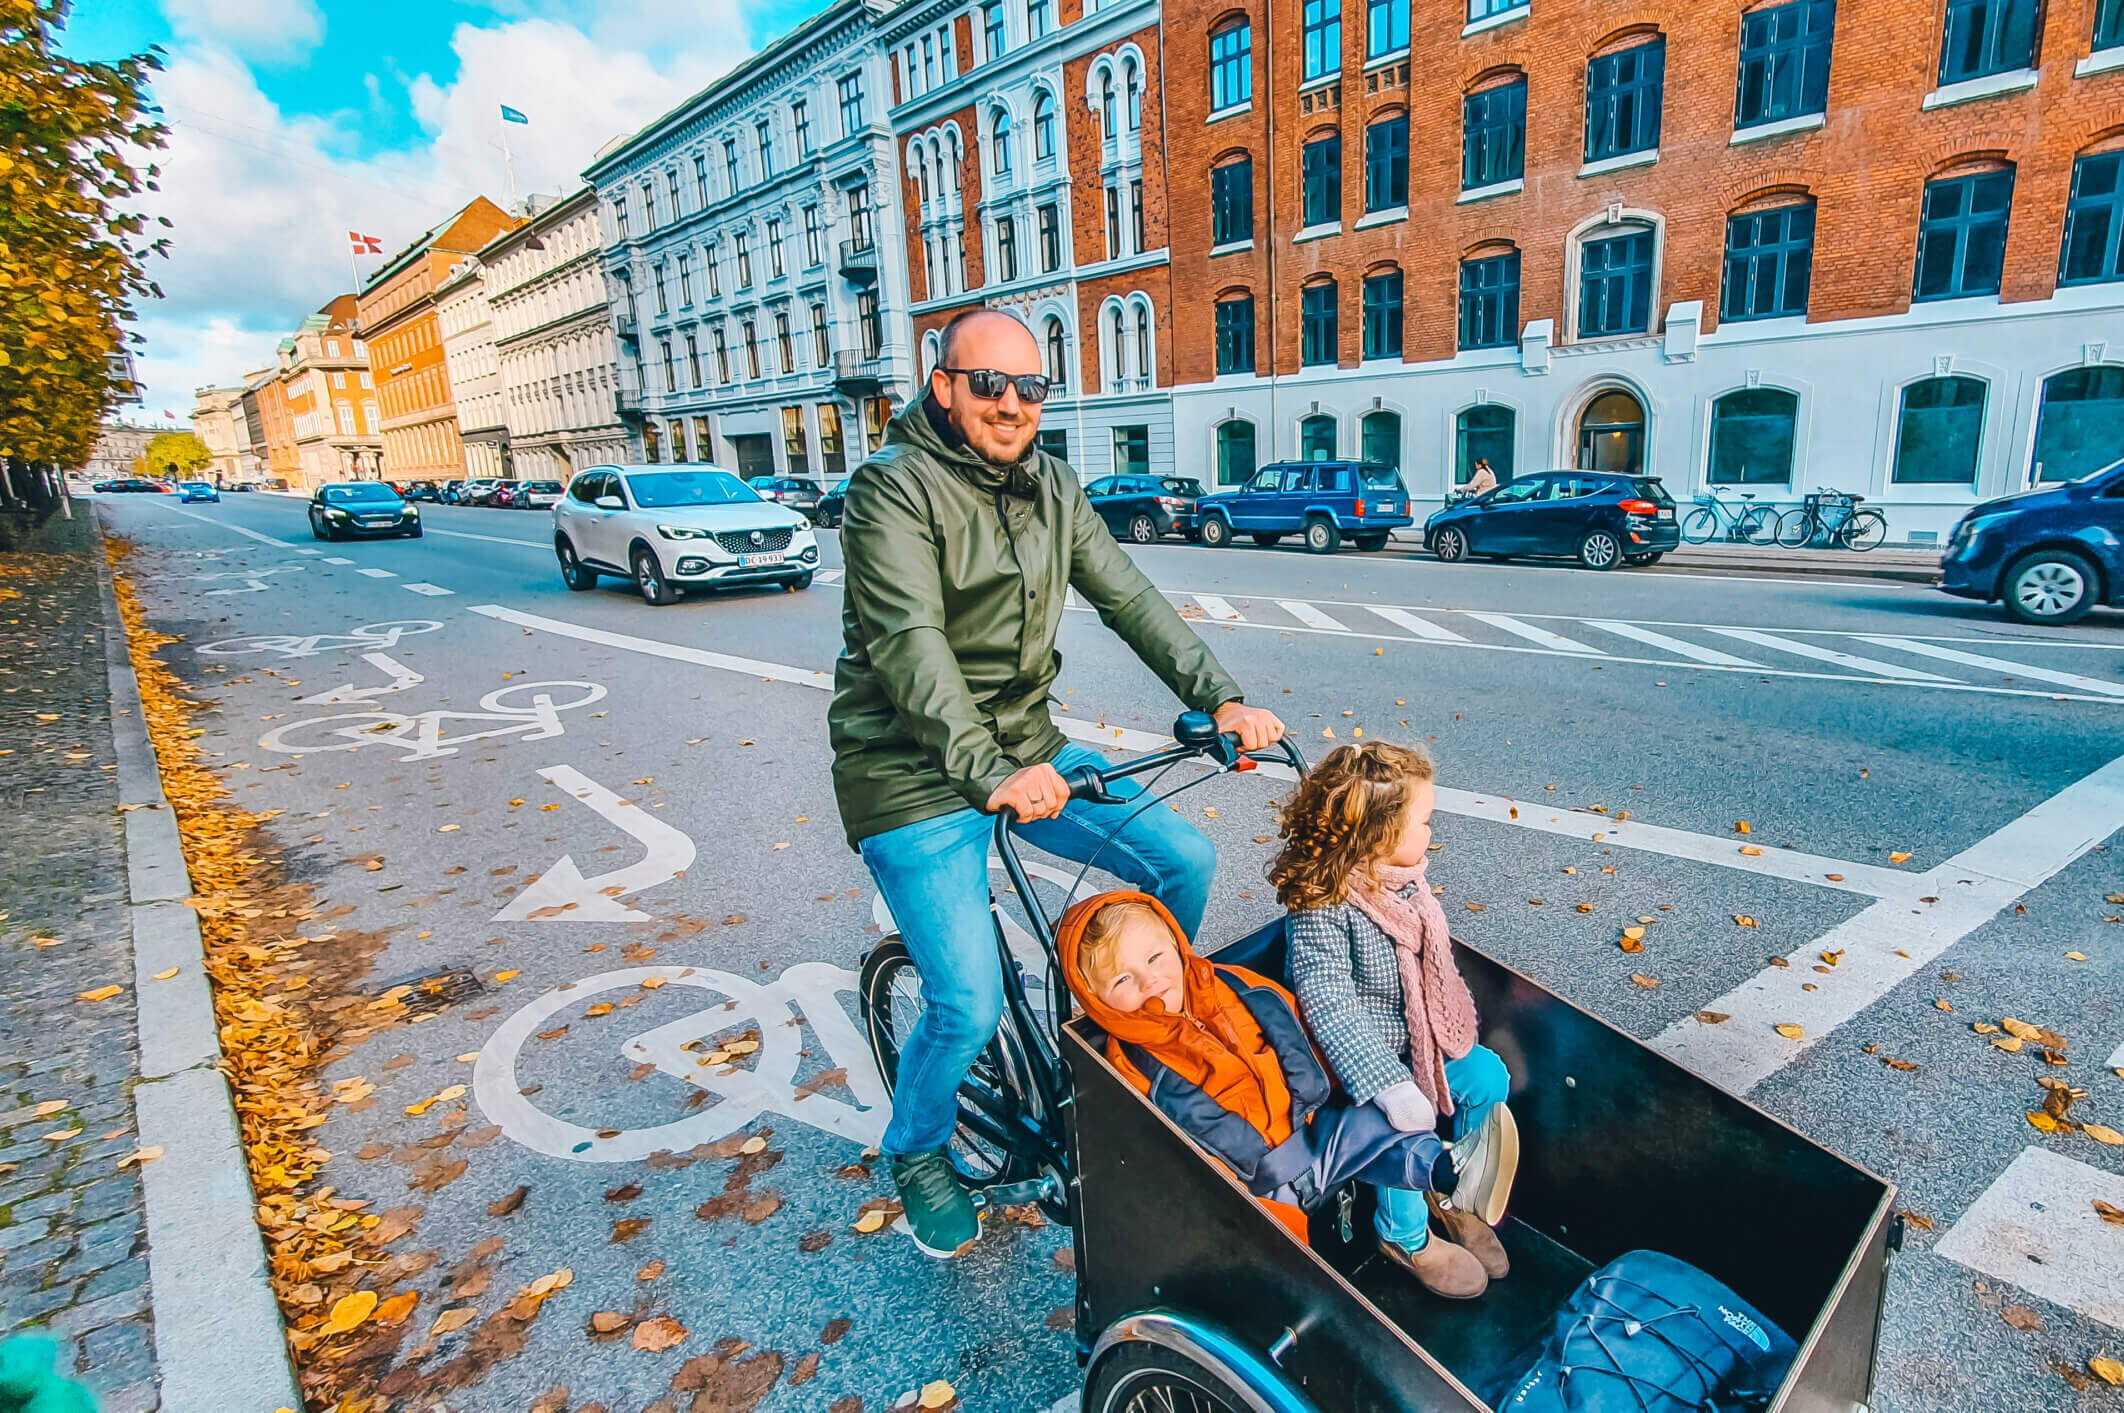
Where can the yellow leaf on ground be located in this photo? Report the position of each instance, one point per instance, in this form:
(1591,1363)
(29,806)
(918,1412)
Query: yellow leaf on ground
(1743,920)
(506,975)
(1750,850)
(2020,1030)
(397,1307)
(1741,827)
(2111,1214)
(937,1394)
(101,993)
(653,983)
(1790,1032)
(602,1008)
(349,1312)
(1630,944)
(2042,1121)
(1943,1004)
(140,1155)
(1650,983)
(2075,956)
(1985,1028)
(1899,858)
(2108,1370)
(870,1221)
(1712,1017)
(455,1319)
(1635,934)
(753,1145)
(2103,1133)
(2011,1044)
(49,1107)
(468,1057)
(447,829)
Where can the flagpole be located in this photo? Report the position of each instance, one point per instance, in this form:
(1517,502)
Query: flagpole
(508,161)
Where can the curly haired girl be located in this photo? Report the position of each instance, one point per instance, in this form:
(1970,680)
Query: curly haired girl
(1372,965)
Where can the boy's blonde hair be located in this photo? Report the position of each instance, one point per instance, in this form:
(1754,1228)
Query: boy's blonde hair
(1102,932)
(1345,815)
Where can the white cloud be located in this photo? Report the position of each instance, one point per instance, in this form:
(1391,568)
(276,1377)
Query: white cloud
(270,30)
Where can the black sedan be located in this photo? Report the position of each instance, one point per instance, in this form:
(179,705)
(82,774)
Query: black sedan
(799,495)
(360,508)
(832,506)
(131,485)
(1145,509)
(424,490)
(1600,518)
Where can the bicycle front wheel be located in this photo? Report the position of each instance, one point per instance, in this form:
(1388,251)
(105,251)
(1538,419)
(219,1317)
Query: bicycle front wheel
(892,1000)
(1758,525)
(1795,527)
(1699,525)
(1863,531)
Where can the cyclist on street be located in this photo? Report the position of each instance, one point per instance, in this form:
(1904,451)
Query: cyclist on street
(961,542)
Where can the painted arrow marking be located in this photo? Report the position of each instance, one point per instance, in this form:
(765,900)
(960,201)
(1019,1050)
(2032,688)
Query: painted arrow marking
(562,894)
(402,677)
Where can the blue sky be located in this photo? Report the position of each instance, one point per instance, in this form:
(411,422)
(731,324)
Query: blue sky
(296,121)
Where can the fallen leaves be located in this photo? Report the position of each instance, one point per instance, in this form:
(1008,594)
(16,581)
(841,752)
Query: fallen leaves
(1650,983)
(656,1335)
(101,993)
(1712,1017)
(455,1091)
(1899,857)
(2109,1213)
(1790,1031)
(2021,1317)
(1741,826)
(1743,920)
(141,1155)
(454,1319)
(349,1312)
(2108,1370)
(503,1206)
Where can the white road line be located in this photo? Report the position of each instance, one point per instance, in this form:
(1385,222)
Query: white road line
(431,590)
(307,550)
(377,573)
(827,576)
(1889,942)
(335,559)
(1532,634)
(2116,1062)
(1310,616)
(1422,627)
(2000,665)
(1667,644)
(232,529)
(490,539)
(650,646)
(1218,609)
(1872,667)
(2036,1227)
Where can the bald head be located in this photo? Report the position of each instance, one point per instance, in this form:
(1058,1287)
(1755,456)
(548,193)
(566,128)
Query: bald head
(979,337)
(1000,429)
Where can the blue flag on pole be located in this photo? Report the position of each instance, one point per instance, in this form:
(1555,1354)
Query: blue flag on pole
(510,115)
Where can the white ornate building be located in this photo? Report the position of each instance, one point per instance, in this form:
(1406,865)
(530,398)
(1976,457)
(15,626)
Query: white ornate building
(553,339)
(474,366)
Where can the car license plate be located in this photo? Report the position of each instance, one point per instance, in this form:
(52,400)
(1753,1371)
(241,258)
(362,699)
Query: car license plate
(755,561)
(1666,515)
(1387,507)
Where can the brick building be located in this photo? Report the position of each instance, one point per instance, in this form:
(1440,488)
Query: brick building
(331,399)
(1876,245)
(218,422)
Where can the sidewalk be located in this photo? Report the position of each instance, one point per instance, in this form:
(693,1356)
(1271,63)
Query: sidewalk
(1915,564)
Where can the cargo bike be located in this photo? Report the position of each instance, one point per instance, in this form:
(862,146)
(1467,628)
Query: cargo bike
(1193,1297)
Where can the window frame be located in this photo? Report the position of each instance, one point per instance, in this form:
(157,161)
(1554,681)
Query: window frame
(1320,181)
(1235,328)
(1493,134)
(1979,38)
(1962,225)
(1615,100)
(1319,324)
(1784,254)
(1734,397)
(1384,314)
(1896,476)
(1494,303)
(2110,203)
(849,89)
(1392,17)
(1231,65)
(1787,73)
(1043,126)
(1231,218)
(1633,295)
(1320,32)
(1386,164)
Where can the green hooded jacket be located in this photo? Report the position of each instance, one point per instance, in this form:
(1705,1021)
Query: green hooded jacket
(957,574)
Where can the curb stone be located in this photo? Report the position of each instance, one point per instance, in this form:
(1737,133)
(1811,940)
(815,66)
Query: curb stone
(218,1334)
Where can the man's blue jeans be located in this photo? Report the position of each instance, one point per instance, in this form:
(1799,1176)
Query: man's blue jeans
(934,875)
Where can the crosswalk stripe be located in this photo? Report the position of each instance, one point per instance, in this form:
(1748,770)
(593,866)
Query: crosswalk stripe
(1533,634)
(335,559)
(1667,644)
(433,591)
(377,573)
(1422,627)
(827,576)
(1310,616)
(1214,607)
(1872,667)
(1070,599)
(1999,665)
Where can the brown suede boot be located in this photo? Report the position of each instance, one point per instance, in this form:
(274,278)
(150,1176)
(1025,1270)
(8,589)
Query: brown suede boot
(1475,1234)
(1443,1268)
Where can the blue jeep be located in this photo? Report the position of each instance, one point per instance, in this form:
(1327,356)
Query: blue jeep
(1321,500)
(2051,553)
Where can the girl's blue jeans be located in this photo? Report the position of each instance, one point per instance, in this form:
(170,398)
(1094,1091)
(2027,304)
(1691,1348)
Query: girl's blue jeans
(1477,1080)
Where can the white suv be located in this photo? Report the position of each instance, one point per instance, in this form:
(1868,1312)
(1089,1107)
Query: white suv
(671,528)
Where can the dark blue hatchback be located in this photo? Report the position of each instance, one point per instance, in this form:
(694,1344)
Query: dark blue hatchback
(2050,554)
(1600,518)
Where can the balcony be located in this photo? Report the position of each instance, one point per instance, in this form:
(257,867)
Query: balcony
(628,329)
(857,373)
(628,404)
(859,261)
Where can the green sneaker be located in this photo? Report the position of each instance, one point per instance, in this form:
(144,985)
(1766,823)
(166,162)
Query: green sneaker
(940,1216)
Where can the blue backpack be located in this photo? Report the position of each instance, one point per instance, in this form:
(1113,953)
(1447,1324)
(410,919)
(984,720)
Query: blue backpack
(1647,1333)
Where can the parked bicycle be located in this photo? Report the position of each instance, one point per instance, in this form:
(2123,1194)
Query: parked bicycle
(1832,518)
(1747,522)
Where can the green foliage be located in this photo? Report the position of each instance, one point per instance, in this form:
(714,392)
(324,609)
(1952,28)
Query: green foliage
(182,449)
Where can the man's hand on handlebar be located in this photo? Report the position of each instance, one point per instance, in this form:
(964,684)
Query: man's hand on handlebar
(1036,792)
(1257,727)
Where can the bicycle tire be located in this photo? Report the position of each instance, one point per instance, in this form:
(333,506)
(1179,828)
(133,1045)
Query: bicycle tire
(376,726)
(1795,528)
(496,700)
(1699,525)
(886,1020)
(1864,531)
(1758,525)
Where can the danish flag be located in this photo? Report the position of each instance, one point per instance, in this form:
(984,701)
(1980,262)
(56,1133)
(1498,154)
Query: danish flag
(364,244)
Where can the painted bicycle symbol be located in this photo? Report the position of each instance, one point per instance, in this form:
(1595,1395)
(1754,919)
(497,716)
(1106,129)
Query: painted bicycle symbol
(369,636)
(530,710)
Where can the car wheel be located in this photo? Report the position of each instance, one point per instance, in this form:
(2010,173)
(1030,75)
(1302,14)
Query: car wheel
(1216,533)
(2050,586)
(1322,536)
(1450,545)
(649,578)
(1600,550)
(317,531)
(574,573)
(1266,540)
(1143,530)
(1370,542)
(1641,560)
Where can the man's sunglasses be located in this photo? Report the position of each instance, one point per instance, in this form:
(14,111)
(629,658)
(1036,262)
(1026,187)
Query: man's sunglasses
(988,383)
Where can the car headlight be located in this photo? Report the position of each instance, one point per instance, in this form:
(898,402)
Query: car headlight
(681,532)
(412,512)
(802,525)
(335,510)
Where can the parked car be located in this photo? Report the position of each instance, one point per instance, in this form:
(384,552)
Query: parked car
(450,490)
(423,490)
(198,490)
(501,495)
(132,485)
(244,486)
(362,508)
(799,495)
(1602,518)
(474,491)
(832,506)
(536,495)
(1321,500)
(670,529)
(2049,554)
(1146,509)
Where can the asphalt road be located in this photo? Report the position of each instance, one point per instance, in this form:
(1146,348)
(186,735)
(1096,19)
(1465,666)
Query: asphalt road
(1600,738)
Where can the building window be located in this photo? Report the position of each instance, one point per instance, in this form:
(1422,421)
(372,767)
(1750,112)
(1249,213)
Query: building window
(1132,82)
(1135,213)
(700,178)
(1321,169)
(870,322)
(1386,27)
(1142,349)
(1231,66)
(1615,285)
(652,443)
(833,451)
(800,123)
(1483,9)
(1623,93)
(744,259)
(1044,126)
(703,439)
(1987,37)
(784,343)
(656,272)
(1131,451)
(929,62)
(1323,37)
(850,88)
(2094,220)
(752,349)
(992,26)
(1232,202)
(1940,432)
(693,359)
(1235,453)
(1113,223)
(1752,434)
(821,351)
(1784,62)
(1108,129)
(1493,135)
(877,416)
(796,447)
(999,144)
(1316,323)
(1489,301)
(1057,358)
(774,249)
(859,216)
(1962,235)
(1050,238)
(2109,25)
(1769,262)
(619,214)
(1386,164)
(649,205)
(722,356)
(1007,248)
(1382,315)
(1379,439)
(685,273)
(1235,334)
(710,268)
(1316,442)
(1480,434)
(814,247)
(671,180)
(2080,425)
(730,169)
(670,367)
(1036,18)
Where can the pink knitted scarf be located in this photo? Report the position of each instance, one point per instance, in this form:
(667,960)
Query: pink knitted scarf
(1434,1000)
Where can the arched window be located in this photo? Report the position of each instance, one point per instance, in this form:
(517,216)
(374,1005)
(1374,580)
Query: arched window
(1115,372)
(1235,453)
(1057,358)
(1106,107)
(1939,432)
(1132,80)
(1044,126)
(1231,65)
(1316,438)
(930,345)
(1141,353)
(1752,433)
(2080,425)
(1379,439)
(1484,433)
(999,142)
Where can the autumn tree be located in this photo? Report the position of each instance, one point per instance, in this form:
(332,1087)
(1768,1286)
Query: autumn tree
(73,141)
(182,450)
